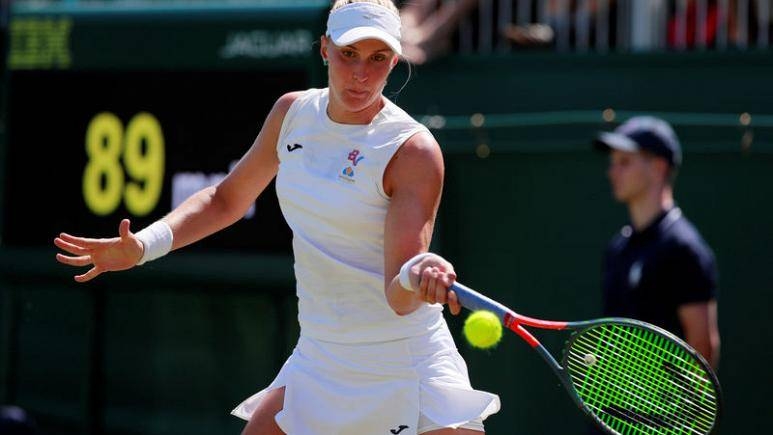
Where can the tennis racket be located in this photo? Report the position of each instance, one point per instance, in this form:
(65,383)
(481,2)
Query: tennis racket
(629,377)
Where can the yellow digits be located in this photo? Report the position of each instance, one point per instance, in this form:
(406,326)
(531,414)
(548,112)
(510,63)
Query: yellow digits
(142,148)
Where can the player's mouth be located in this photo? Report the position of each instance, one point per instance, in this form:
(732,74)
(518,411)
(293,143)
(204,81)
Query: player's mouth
(358,93)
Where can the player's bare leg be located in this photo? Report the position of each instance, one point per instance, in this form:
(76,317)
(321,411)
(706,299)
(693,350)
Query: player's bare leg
(262,421)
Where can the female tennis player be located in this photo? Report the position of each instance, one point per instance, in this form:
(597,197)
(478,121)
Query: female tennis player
(359,183)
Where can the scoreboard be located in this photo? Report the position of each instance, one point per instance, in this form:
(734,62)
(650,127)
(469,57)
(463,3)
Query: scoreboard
(125,113)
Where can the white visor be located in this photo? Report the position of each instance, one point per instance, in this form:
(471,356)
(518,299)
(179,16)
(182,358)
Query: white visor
(357,21)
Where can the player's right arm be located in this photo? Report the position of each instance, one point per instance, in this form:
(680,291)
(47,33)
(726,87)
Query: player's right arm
(203,213)
(414,182)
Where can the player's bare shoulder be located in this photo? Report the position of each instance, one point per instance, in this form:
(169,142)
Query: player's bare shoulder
(283,103)
(418,162)
(275,118)
(420,149)
(423,142)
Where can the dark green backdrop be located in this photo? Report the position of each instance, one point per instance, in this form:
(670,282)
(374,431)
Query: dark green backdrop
(172,346)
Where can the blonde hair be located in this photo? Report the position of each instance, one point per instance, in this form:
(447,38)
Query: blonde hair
(386,3)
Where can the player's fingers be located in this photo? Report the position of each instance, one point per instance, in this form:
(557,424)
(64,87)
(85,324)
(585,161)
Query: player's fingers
(453,303)
(438,262)
(83,260)
(421,283)
(82,241)
(447,278)
(124,228)
(441,289)
(428,284)
(438,289)
(88,276)
(70,247)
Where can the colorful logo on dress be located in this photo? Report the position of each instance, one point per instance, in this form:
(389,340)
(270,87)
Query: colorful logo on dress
(354,157)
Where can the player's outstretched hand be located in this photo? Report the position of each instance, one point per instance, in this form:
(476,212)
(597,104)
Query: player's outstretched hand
(103,255)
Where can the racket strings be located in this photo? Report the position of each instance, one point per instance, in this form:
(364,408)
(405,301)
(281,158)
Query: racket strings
(624,406)
(640,390)
(638,387)
(655,419)
(678,378)
(640,382)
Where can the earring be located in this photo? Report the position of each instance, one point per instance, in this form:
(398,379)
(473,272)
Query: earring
(324,62)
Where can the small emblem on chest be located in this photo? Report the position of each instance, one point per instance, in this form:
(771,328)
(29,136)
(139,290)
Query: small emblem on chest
(353,158)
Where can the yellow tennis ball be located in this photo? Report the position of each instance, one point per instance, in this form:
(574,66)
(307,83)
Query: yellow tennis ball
(482,329)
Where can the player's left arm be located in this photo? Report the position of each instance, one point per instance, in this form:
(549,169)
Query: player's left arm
(701,330)
(414,182)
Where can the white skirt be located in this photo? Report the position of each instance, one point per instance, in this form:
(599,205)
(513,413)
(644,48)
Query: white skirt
(375,388)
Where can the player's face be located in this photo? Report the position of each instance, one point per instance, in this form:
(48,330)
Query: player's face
(630,174)
(357,74)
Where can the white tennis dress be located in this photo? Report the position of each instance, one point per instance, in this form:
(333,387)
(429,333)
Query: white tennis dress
(358,368)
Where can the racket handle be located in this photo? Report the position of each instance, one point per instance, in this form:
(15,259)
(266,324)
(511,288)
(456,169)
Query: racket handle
(474,301)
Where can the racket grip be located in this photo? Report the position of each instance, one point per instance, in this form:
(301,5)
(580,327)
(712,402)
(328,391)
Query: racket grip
(474,301)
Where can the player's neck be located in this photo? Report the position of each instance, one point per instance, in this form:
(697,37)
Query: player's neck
(645,209)
(338,113)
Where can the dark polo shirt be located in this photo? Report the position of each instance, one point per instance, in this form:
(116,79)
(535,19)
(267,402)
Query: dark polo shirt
(648,274)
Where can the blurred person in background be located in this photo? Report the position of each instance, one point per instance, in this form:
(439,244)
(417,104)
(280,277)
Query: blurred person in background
(658,268)
(429,25)
(685,34)
(577,19)
(359,182)
(742,24)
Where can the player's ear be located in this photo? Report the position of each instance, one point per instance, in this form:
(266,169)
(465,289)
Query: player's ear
(323,41)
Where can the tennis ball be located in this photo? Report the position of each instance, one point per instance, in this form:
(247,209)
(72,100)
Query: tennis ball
(482,329)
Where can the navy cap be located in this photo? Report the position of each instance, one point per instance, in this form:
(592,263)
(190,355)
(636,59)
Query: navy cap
(643,133)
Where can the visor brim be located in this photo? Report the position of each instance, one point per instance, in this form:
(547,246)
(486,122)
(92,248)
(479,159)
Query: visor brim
(357,34)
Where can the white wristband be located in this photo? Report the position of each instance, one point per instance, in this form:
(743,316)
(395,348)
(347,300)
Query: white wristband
(405,270)
(157,239)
